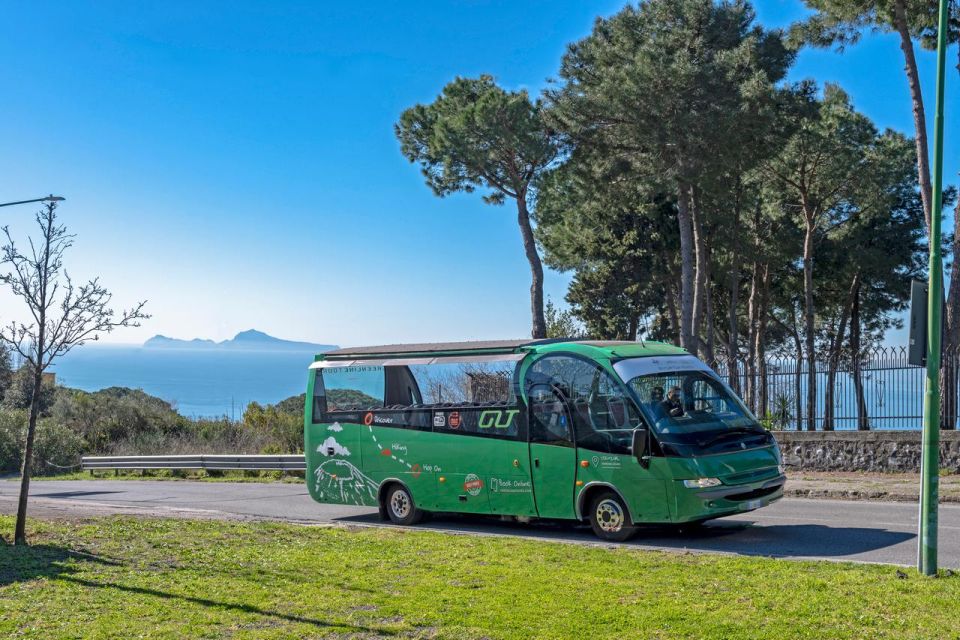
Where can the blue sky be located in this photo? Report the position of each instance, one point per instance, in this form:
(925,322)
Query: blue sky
(235,163)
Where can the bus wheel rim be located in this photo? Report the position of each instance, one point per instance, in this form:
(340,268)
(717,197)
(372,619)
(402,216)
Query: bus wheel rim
(400,504)
(610,516)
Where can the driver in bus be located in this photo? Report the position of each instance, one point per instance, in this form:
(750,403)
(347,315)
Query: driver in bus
(673,405)
(656,403)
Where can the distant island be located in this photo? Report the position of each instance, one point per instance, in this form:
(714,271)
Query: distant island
(251,340)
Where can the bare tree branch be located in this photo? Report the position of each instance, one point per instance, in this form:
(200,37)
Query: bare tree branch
(63,315)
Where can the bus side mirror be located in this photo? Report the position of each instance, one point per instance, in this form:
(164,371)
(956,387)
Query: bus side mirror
(639,444)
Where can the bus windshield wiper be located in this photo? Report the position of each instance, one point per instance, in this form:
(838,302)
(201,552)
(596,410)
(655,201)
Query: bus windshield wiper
(729,432)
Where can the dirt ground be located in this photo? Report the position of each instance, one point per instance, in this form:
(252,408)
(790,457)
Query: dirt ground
(903,487)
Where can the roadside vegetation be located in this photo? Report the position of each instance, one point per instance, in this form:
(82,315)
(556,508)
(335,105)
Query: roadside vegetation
(121,421)
(123,577)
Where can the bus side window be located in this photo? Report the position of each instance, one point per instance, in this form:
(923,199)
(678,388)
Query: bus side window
(601,414)
(552,384)
(354,388)
(319,398)
(550,419)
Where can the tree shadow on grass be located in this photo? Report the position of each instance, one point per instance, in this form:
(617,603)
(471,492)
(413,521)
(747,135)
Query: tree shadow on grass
(229,606)
(25,563)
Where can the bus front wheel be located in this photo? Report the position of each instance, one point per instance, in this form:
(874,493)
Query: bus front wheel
(610,519)
(400,506)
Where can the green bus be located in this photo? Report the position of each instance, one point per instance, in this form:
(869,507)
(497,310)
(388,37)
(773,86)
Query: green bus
(615,433)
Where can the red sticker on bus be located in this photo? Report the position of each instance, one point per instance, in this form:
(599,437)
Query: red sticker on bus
(454,420)
(368,419)
(415,470)
(472,484)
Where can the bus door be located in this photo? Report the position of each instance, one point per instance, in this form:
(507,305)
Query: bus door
(605,418)
(508,467)
(553,458)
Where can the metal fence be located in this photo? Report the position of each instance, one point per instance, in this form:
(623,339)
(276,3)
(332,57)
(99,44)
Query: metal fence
(879,390)
(207,462)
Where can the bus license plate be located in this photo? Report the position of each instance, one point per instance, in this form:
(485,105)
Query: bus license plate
(752,504)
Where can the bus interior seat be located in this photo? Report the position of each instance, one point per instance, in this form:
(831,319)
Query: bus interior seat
(618,411)
(400,387)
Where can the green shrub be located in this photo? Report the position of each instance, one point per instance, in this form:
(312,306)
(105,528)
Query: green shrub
(120,421)
(13,426)
(54,446)
(281,430)
(19,393)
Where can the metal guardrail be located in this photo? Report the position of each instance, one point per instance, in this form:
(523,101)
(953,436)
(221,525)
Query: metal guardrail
(207,462)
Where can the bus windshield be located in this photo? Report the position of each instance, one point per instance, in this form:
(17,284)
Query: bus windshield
(690,409)
(689,402)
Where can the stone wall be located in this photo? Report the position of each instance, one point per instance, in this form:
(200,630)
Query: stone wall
(863,450)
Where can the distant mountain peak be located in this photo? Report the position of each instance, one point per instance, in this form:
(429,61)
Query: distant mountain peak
(250,339)
(253,334)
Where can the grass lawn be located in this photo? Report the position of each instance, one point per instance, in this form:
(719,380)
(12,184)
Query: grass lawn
(122,578)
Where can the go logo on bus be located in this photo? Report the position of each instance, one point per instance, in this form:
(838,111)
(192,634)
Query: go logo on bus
(497,418)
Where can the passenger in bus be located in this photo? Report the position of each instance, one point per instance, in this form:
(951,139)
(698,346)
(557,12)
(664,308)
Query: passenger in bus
(548,397)
(673,405)
(557,424)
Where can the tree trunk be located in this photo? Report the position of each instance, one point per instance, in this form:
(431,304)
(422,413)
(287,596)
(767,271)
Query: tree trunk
(760,334)
(919,114)
(539,329)
(951,337)
(733,331)
(26,466)
(700,277)
(763,382)
(710,348)
(863,420)
(687,275)
(836,346)
(828,413)
(753,303)
(951,345)
(808,326)
(798,380)
(672,296)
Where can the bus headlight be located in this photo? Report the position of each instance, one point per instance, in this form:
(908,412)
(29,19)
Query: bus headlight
(701,483)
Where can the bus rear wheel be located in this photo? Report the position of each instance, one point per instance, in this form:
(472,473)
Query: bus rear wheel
(610,519)
(400,506)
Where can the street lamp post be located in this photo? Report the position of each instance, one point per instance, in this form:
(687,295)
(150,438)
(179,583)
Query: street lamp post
(50,198)
(930,460)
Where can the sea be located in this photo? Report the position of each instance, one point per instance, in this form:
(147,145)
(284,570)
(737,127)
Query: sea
(204,383)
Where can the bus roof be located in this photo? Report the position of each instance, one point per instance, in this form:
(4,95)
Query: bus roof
(589,348)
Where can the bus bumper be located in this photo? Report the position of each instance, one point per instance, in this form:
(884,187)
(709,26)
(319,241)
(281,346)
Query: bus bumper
(725,500)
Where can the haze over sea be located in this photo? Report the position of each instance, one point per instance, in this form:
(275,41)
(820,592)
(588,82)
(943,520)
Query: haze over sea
(198,382)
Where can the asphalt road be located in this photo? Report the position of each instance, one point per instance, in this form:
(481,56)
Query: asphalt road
(863,531)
